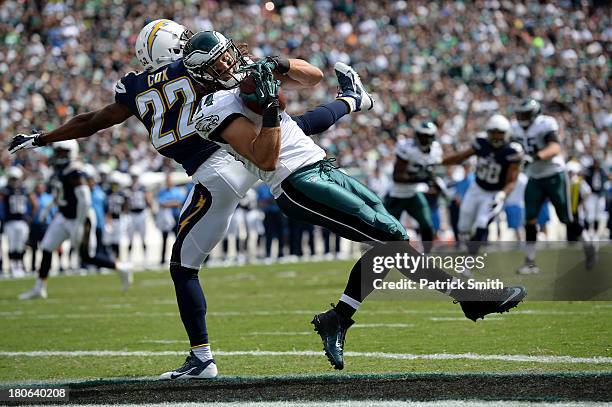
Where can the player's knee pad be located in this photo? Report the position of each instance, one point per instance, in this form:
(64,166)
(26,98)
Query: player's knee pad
(531,232)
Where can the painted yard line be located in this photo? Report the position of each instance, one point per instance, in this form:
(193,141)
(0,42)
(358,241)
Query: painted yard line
(384,325)
(90,315)
(272,333)
(379,355)
(488,318)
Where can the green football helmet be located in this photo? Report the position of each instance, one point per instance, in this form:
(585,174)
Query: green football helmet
(527,112)
(425,134)
(210,57)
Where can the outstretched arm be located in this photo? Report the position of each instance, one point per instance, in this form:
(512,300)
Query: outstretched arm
(86,124)
(459,157)
(83,125)
(295,73)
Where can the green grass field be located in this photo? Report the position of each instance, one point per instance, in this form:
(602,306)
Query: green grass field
(262,309)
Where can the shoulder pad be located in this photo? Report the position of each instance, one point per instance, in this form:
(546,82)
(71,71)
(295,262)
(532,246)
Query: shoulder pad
(120,86)
(515,152)
(548,123)
(216,109)
(404,149)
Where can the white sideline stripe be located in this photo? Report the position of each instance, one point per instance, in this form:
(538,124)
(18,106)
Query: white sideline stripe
(384,325)
(379,355)
(488,318)
(272,333)
(89,315)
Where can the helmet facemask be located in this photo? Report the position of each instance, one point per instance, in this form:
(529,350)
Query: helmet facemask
(425,140)
(207,67)
(527,113)
(497,137)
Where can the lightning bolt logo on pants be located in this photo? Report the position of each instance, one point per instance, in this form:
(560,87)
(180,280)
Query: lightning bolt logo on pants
(196,209)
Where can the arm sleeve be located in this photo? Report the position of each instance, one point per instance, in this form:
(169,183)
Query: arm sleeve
(321,118)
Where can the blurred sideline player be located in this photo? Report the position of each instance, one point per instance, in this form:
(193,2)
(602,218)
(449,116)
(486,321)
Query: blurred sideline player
(116,208)
(16,201)
(170,199)
(413,170)
(595,204)
(73,198)
(163,98)
(139,200)
(305,185)
(497,170)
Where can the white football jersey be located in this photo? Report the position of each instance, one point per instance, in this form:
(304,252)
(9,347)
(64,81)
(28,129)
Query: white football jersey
(533,140)
(297,150)
(418,162)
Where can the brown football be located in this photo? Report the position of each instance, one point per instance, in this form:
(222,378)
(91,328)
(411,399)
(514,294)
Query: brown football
(248,86)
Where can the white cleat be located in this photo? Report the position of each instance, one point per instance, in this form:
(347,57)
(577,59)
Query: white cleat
(125,274)
(38,291)
(528,268)
(351,89)
(193,368)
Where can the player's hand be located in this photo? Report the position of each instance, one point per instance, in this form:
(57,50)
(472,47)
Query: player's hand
(266,87)
(277,64)
(498,203)
(24,142)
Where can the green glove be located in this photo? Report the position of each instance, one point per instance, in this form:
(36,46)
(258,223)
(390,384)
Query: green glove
(266,87)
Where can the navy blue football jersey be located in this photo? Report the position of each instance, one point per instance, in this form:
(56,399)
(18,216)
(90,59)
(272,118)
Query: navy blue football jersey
(137,201)
(164,101)
(493,163)
(15,203)
(115,202)
(63,184)
(596,179)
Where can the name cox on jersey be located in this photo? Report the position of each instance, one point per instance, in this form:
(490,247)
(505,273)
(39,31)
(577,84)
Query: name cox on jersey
(157,77)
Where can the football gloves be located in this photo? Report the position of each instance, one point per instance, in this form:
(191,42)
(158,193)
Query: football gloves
(266,87)
(24,142)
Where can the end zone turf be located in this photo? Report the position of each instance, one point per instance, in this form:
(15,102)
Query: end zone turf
(334,387)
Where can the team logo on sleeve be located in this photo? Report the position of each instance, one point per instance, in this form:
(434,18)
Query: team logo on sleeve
(207,124)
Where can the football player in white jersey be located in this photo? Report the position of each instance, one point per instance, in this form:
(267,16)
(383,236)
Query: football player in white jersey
(413,170)
(497,170)
(545,169)
(305,185)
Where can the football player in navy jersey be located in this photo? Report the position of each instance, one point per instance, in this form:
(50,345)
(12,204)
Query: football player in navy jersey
(116,208)
(163,97)
(139,200)
(17,204)
(497,170)
(73,198)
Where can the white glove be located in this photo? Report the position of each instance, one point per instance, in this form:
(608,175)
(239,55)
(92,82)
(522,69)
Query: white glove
(498,203)
(24,142)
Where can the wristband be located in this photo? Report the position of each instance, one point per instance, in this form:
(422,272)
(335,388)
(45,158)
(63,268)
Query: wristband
(282,64)
(271,116)
(38,141)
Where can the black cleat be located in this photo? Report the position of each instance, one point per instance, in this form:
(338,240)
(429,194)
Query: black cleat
(193,368)
(477,304)
(332,328)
